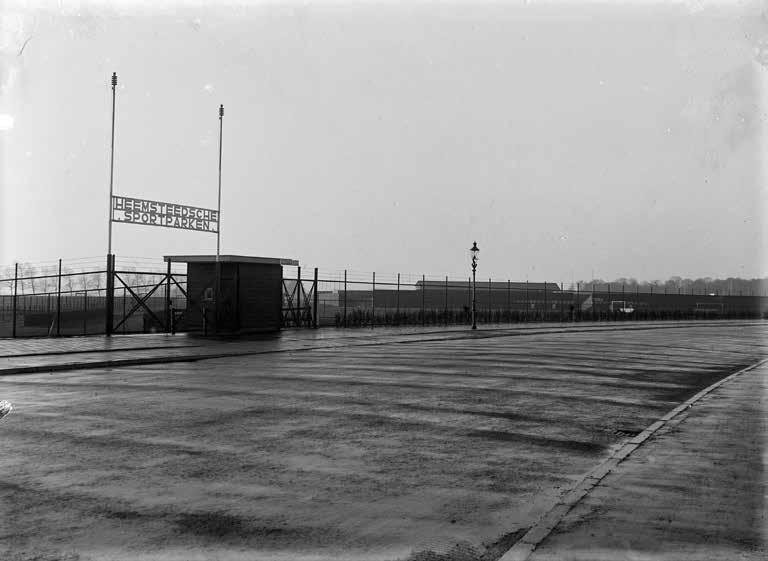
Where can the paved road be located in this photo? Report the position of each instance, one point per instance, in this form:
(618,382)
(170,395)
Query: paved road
(368,446)
(698,490)
(48,354)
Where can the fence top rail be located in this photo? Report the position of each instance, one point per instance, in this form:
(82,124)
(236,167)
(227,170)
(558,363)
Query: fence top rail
(86,273)
(54,276)
(155,273)
(76,291)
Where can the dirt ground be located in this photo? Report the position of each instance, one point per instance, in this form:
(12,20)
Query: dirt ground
(425,451)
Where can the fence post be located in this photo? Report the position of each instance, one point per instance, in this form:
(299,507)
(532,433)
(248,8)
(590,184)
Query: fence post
(124,311)
(577,306)
(314,307)
(545,301)
(85,312)
(108,323)
(345,298)
(297,315)
(397,305)
(527,303)
(509,301)
(445,311)
(373,302)
(15,291)
(623,300)
(490,296)
(58,304)
(168,318)
(423,293)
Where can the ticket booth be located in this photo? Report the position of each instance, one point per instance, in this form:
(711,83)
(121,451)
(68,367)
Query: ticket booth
(236,294)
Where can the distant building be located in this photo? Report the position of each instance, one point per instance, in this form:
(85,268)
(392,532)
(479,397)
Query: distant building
(512,285)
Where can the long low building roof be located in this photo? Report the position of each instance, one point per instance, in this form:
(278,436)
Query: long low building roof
(495,285)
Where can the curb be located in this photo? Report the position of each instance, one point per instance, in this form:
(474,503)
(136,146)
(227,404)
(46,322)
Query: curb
(523,549)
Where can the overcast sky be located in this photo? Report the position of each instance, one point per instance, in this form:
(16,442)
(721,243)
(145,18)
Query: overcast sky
(626,139)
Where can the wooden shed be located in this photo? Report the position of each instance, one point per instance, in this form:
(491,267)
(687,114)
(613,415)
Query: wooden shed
(248,296)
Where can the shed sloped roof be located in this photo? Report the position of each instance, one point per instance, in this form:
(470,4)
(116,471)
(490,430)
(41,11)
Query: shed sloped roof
(230,259)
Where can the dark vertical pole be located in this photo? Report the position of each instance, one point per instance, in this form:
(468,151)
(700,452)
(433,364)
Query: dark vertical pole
(577,306)
(527,303)
(111,164)
(168,318)
(108,323)
(397,305)
(445,311)
(15,291)
(509,301)
(609,297)
(58,304)
(314,304)
(561,300)
(345,297)
(469,296)
(545,300)
(474,297)
(218,208)
(298,297)
(623,299)
(490,297)
(124,322)
(373,302)
(423,292)
(85,312)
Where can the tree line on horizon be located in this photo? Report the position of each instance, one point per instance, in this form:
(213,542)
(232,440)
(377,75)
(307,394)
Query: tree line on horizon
(731,286)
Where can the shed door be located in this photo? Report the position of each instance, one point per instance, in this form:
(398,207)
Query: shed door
(228,312)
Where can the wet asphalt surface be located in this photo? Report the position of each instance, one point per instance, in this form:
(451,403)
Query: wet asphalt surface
(423,449)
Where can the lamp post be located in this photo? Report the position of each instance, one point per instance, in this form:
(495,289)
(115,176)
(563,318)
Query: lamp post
(474,251)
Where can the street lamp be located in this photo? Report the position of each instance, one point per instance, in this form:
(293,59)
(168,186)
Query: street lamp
(474,251)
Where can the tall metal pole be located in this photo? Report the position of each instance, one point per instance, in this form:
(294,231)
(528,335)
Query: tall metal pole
(474,295)
(112,163)
(218,229)
(218,208)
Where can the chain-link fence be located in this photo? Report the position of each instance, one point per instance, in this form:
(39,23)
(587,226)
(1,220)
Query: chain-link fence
(70,298)
(353,299)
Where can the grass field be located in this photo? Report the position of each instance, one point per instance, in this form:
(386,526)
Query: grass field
(424,450)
